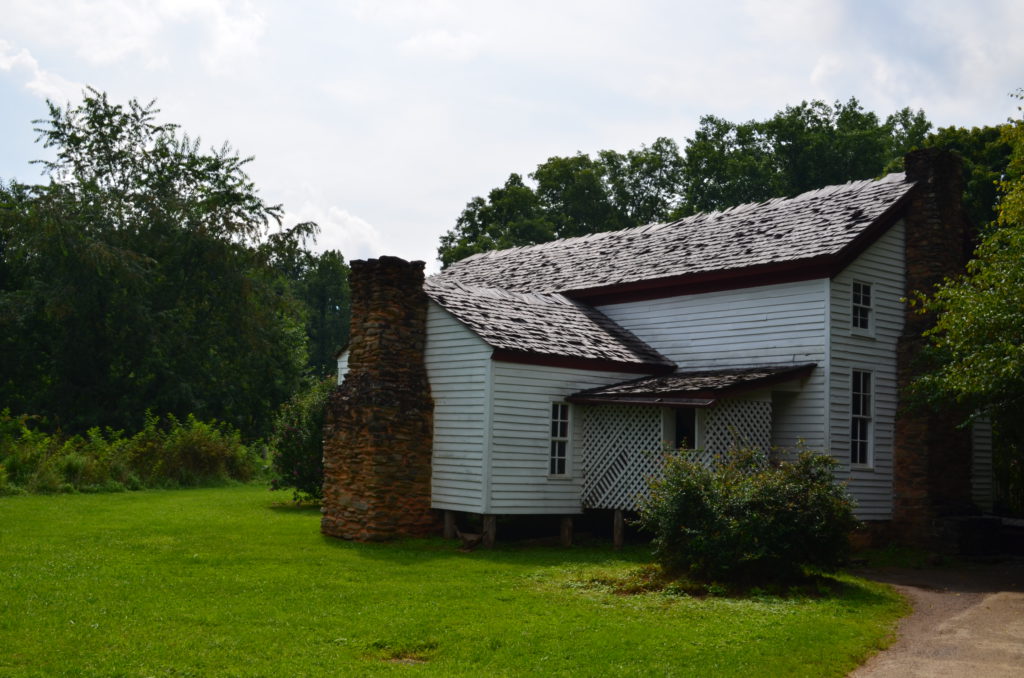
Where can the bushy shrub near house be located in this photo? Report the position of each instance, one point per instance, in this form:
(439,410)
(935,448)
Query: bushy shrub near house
(748,522)
(170,453)
(297,441)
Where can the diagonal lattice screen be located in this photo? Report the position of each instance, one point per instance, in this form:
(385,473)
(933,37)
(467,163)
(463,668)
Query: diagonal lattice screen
(733,424)
(622,446)
(621,450)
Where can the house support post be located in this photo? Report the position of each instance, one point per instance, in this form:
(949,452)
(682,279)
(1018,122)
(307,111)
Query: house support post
(566,531)
(618,525)
(490,528)
(449,524)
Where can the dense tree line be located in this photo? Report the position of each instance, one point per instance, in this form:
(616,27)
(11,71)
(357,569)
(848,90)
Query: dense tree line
(147,273)
(724,163)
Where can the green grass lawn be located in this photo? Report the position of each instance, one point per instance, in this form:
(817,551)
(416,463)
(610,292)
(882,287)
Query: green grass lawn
(220,582)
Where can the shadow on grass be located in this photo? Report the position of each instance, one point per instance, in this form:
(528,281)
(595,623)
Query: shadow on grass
(295,507)
(412,551)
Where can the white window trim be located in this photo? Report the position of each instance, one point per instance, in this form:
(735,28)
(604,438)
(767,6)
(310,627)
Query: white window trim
(868,331)
(567,439)
(869,456)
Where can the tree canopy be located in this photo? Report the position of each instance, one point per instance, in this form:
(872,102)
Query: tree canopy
(574,196)
(723,164)
(145,274)
(979,332)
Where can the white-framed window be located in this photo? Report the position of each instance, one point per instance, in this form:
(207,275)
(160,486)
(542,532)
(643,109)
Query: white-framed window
(861,309)
(861,409)
(558,460)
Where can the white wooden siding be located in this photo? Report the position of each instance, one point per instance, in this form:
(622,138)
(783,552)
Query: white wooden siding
(981,464)
(882,266)
(770,324)
(458,366)
(520,448)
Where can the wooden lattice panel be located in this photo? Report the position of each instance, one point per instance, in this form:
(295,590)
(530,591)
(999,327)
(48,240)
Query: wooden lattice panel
(733,424)
(621,452)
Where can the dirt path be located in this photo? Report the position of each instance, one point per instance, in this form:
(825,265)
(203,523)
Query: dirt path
(966,622)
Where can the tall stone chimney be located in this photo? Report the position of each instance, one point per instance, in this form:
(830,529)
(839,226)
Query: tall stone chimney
(932,457)
(379,423)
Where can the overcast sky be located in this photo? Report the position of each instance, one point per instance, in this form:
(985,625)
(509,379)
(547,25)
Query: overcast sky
(380,120)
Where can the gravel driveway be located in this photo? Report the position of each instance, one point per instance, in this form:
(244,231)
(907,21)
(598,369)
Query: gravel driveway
(967,622)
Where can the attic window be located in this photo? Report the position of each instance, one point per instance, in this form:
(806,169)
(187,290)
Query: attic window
(860,317)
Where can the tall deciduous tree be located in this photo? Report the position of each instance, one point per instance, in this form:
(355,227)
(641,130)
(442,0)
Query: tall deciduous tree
(978,338)
(979,330)
(135,279)
(574,196)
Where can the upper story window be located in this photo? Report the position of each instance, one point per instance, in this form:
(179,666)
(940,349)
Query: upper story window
(557,462)
(860,417)
(861,308)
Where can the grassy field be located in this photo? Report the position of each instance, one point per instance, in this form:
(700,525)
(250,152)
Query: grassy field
(220,582)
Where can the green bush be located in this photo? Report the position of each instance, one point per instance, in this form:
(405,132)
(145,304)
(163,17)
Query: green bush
(745,521)
(169,454)
(297,459)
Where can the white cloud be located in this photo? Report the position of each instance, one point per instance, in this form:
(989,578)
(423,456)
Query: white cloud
(341,230)
(103,32)
(39,81)
(445,45)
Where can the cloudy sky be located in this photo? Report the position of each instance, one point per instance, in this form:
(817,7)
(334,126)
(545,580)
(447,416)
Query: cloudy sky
(380,120)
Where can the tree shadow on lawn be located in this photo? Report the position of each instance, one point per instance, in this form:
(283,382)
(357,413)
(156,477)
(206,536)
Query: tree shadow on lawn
(597,566)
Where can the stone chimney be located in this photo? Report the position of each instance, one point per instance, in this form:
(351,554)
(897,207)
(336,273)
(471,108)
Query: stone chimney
(932,457)
(379,423)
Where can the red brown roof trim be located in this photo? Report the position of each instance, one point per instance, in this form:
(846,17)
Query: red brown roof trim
(592,364)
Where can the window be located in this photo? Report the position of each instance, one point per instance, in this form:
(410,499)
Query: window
(686,429)
(559,439)
(860,418)
(860,318)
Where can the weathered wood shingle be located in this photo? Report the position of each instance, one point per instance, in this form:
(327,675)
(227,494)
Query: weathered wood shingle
(810,227)
(543,325)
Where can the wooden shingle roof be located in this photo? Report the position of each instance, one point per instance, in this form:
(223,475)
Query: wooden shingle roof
(700,388)
(531,325)
(813,229)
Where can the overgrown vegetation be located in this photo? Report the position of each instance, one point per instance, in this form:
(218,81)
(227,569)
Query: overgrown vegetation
(148,273)
(218,582)
(745,521)
(168,453)
(297,442)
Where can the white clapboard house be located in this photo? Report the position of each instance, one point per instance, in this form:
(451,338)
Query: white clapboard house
(560,371)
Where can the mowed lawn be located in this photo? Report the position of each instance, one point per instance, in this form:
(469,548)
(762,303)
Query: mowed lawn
(221,582)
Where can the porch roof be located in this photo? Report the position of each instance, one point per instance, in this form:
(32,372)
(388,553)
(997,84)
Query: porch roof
(693,388)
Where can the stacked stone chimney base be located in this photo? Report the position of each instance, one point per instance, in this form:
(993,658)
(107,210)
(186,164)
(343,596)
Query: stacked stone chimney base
(379,424)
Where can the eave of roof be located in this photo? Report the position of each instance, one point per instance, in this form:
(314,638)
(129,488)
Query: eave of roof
(694,388)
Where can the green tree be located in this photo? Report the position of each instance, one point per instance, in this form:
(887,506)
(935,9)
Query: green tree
(800,148)
(978,337)
(135,279)
(727,164)
(644,185)
(574,196)
(510,216)
(985,152)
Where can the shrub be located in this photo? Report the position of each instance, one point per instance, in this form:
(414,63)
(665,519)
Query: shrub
(195,452)
(745,521)
(297,444)
(175,454)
